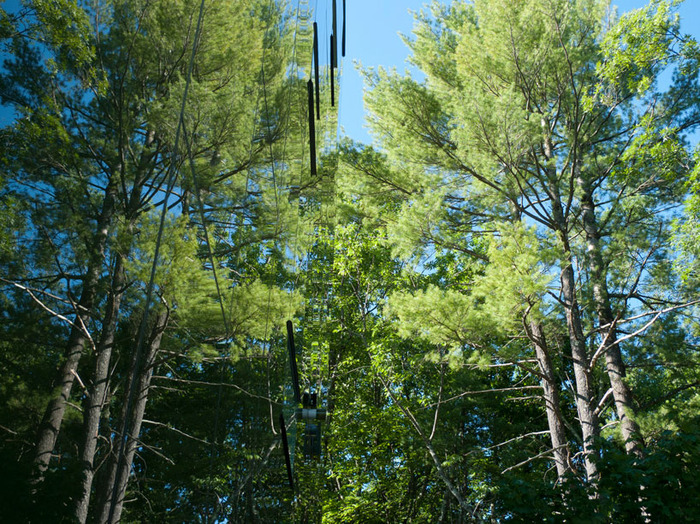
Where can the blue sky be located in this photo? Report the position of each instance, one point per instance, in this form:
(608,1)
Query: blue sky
(373,29)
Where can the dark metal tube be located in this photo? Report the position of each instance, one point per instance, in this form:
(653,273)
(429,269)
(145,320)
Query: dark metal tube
(312,128)
(293,362)
(334,52)
(287,457)
(332,72)
(316,73)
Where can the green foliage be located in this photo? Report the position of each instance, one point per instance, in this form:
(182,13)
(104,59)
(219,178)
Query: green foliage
(65,26)
(637,48)
(10,225)
(441,316)
(517,277)
(687,229)
(540,139)
(97,91)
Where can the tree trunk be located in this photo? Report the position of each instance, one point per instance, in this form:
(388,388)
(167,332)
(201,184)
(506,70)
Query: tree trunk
(110,501)
(557,432)
(96,398)
(584,392)
(614,365)
(53,417)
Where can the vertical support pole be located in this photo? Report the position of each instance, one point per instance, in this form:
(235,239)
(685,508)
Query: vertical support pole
(287,456)
(316,73)
(332,72)
(312,128)
(343,42)
(334,52)
(293,359)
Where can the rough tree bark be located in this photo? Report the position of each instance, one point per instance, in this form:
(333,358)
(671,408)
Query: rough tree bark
(557,432)
(588,419)
(50,425)
(99,389)
(97,394)
(614,364)
(110,497)
(584,392)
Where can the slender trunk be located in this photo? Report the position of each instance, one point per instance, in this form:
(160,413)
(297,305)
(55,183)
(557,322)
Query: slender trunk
(557,432)
(106,478)
(584,392)
(111,501)
(99,390)
(96,398)
(622,394)
(614,365)
(53,417)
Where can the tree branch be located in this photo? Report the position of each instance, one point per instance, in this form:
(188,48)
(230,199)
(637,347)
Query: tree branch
(224,384)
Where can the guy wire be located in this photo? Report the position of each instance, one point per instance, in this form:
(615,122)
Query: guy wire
(297,221)
(172,175)
(274,180)
(227,330)
(284,153)
(207,243)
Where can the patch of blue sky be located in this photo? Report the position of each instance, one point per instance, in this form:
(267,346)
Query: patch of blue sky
(374,29)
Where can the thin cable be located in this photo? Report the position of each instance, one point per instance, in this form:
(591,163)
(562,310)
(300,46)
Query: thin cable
(273,161)
(207,242)
(227,330)
(295,73)
(297,224)
(276,190)
(172,175)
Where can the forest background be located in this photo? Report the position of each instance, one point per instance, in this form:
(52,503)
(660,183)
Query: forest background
(496,301)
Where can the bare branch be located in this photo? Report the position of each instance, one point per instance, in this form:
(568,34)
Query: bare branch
(670,394)
(482,391)
(428,445)
(179,432)
(604,347)
(82,328)
(439,402)
(647,314)
(77,377)
(531,459)
(602,402)
(520,437)
(155,451)
(223,384)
